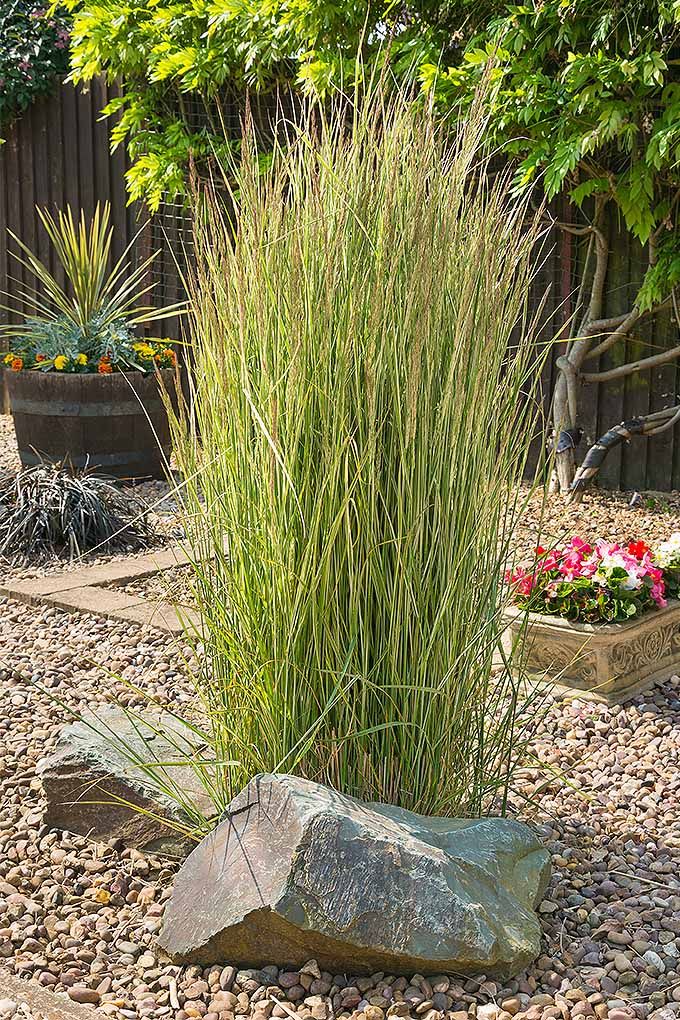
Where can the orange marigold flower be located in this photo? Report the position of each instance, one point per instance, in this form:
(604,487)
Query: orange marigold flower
(104,367)
(41,357)
(170,355)
(17,364)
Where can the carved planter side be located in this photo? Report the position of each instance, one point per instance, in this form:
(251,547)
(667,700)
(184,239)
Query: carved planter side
(609,662)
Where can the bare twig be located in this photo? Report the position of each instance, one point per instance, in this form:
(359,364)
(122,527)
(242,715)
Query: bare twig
(633,366)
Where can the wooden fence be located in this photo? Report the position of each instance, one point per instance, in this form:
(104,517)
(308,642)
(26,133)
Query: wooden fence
(58,153)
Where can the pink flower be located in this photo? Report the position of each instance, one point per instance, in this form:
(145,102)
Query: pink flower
(522,581)
(577,560)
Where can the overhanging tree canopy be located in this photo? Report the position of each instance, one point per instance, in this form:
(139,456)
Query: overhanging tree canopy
(171,51)
(587,100)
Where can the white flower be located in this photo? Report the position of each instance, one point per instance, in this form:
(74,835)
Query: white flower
(612,561)
(667,553)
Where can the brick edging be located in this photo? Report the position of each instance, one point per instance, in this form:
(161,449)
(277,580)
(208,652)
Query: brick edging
(87,590)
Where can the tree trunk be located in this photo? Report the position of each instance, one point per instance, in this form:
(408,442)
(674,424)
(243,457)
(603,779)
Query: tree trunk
(565,461)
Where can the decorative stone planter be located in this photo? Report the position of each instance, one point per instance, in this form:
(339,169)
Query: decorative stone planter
(115,424)
(609,662)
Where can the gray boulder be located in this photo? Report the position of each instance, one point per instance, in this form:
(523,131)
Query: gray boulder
(296,871)
(96,783)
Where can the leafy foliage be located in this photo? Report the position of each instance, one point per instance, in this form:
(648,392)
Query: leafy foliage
(103,346)
(587,98)
(49,510)
(33,54)
(180,59)
(586,92)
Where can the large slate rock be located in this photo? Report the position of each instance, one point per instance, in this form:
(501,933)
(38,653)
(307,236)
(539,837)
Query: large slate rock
(93,777)
(296,871)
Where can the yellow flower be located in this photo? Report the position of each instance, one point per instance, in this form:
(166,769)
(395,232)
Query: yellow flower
(144,350)
(9,358)
(60,362)
(81,359)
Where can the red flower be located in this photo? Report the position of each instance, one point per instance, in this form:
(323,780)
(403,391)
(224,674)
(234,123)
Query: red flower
(638,549)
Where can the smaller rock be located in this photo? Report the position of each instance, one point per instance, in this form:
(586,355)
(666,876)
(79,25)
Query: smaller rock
(653,959)
(86,996)
(95,773)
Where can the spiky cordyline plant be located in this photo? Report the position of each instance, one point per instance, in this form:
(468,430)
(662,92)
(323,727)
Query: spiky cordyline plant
(363,377)
(95,291)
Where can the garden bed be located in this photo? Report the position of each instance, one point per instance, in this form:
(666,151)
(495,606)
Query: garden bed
(76,915)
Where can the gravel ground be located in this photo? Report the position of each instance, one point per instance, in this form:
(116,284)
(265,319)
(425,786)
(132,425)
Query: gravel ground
(81,918)
(173,585)
(652,517)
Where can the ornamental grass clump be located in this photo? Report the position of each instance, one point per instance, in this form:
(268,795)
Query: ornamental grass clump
(362,411)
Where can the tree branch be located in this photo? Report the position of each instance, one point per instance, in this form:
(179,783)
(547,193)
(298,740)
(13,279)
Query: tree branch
(647,425)
(621,330)
(601,265)
(666,425)
(570,374)
(605,325)
(633,366)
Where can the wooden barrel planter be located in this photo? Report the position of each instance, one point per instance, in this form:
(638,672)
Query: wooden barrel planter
(115,424)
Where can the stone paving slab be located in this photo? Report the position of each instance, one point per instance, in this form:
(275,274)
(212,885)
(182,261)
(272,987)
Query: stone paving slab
(41,1001)
(89,590)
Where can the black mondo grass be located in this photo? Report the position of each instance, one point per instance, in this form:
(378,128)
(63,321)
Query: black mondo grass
(52,510)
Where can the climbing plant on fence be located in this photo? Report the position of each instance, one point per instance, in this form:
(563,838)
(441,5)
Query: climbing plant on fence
(176,56)
(587,101)
(33,54)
